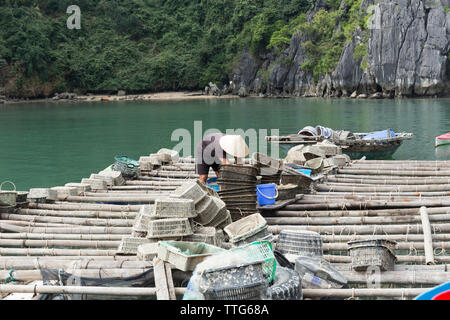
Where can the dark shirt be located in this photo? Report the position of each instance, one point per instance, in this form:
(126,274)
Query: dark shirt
(208,151)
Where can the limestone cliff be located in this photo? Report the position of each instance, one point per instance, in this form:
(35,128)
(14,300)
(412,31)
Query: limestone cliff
(407,55)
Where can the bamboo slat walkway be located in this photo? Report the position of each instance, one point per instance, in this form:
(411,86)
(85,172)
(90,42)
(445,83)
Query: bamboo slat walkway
(363,199)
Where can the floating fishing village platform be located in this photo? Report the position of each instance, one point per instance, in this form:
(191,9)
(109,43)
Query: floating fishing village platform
(404,201)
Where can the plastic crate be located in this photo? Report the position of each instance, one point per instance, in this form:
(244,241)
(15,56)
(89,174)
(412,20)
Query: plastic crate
(129,245)
(209,235)
(185,255)
(169,228)
(240,282)
(96,184)
(246,227)
(300,242)
(372,252)
(207,210)
(190,190)
(227,221)
(173,208)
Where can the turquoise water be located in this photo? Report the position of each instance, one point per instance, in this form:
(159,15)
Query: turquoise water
(48,144)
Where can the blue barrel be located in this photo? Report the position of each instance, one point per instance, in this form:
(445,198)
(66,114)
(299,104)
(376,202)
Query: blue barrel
(266,193)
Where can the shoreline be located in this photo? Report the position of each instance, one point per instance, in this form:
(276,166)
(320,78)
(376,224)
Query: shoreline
(184,95)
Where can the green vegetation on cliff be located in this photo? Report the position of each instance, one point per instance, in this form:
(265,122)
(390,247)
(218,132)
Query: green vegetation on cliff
(150,45)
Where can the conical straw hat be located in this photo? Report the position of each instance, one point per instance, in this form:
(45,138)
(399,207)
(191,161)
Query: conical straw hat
(234,145)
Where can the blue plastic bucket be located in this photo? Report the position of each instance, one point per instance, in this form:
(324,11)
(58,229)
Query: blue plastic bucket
(305,171)
(212,183)
(266,193)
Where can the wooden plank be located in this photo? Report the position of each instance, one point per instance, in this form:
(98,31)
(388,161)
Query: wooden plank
(169,278)
(162,288)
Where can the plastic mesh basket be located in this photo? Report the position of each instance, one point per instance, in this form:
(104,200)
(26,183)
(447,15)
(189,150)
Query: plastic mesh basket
(129,245)
(260,251)
(190,190)
(300,242)
(173,208)
(206,209)
(169,228)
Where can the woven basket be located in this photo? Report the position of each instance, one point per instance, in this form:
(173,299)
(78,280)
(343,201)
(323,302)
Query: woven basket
(129,245)
(207,235)
(7,197)
(190,190)
(128,167)
(174,208)
(207,210)
(372,252)
(300,242)
(169,228)
(143,219)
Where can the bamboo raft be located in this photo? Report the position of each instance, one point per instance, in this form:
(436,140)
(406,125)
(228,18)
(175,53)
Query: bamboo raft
(80,234)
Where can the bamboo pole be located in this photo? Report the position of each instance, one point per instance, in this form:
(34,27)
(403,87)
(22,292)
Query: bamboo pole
(382,177)
(395,237)
(55,252)
(363,293)
(340,246)
(400,258)
(69,220)
(146,200)
(67,230)
(425,181)
(109,291)
(47,236)
(370,204)
(357,213)
(153,183)
(397,188)
(39,263)
(33,275)
(400,277)
(401,267)
(361,229)
(399,168)
(411,173)
(59,243)
(81,214)
(354,220)
(84,206)
(428,240)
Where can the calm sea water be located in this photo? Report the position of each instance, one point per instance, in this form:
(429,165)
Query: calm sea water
(46,144)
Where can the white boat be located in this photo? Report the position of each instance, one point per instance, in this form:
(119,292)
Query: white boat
(443,139)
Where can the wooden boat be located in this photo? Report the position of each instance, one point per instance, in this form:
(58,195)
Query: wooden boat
(356,148)
(443,139)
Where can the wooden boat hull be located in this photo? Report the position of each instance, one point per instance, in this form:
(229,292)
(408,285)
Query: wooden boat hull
(441,142)
(371,153)
(355,148)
